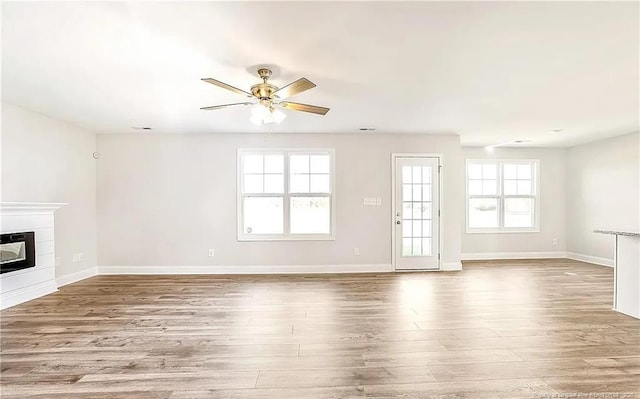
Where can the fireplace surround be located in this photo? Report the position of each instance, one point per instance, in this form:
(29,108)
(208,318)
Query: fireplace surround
(28,272)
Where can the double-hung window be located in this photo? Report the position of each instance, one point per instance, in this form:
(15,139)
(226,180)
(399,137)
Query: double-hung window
(285,194)
(502,196)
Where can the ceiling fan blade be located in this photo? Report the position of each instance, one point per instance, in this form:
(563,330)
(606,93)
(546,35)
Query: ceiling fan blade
(223,106)
(296,87)
(226,86)
(314,109)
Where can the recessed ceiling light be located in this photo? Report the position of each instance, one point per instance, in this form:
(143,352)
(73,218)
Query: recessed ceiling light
(556,130)
(521,141)
(367,129)
(140,128)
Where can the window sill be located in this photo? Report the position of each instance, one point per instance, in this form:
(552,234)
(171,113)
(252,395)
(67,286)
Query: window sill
(289,238)
(501,231)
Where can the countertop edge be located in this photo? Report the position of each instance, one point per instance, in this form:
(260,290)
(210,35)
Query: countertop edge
(618,233)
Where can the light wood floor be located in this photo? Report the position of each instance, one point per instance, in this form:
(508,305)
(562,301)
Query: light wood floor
(517,329)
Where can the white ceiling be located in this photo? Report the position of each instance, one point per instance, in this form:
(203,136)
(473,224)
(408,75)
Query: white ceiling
(491,72)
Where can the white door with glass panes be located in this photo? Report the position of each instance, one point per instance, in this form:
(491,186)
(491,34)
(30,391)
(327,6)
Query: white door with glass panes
(416,213)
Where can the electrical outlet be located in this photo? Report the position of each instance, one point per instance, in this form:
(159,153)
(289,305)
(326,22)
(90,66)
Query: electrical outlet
(75,257)
(81,257)
(356,251)
(554,241)
(212,253)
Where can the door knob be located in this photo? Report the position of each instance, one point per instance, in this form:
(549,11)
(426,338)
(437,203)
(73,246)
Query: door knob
(397,222)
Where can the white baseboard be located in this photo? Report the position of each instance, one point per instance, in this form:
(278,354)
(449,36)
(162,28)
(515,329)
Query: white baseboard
(450,266)
(74,277)
(247,269)
(513,255)
(590,259)
(21,295)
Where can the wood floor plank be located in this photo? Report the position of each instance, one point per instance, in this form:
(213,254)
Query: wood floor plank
(498,329)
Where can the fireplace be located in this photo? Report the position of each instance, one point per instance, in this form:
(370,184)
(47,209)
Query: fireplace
(17,251)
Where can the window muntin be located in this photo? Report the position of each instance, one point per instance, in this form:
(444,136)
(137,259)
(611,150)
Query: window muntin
(502,195)
(285,194)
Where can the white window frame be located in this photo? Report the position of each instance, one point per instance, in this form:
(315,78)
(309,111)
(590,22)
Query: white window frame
(501,196)
(286,196)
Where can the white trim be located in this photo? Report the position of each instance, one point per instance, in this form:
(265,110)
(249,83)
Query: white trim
(77,276)
(21,295)
(30,207)
(248,269)
(596,260)
(513,255)
(539,255)
(394,156)
(450,266)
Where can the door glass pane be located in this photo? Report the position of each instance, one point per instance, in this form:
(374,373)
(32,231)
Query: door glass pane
(407,210)
(426,192)
(406,192)
(407,247)
(263,215)
(483,212)
(417,246)
(426,211)
(426,228)
(406,229)
(417,192)
(518,212)
(417,210)
(426,174)
(406,174)
(417,174)
(426,247)
(417,228)
(310,215)
(417,214)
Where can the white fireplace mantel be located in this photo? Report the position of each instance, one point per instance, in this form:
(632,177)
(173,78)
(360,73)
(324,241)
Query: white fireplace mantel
(30,207)
(24,285)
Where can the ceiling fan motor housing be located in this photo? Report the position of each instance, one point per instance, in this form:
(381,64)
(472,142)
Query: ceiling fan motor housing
(264,90)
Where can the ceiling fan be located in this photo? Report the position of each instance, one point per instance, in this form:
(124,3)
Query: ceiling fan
(270,98)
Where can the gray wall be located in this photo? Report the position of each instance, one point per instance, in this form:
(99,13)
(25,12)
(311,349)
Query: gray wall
(46,160)
(603,192)
(165,199)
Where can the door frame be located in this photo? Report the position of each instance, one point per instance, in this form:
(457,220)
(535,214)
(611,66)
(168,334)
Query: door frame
(394,156)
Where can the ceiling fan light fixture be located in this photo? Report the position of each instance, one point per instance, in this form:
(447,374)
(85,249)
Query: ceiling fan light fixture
(262,115)
(278,116)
